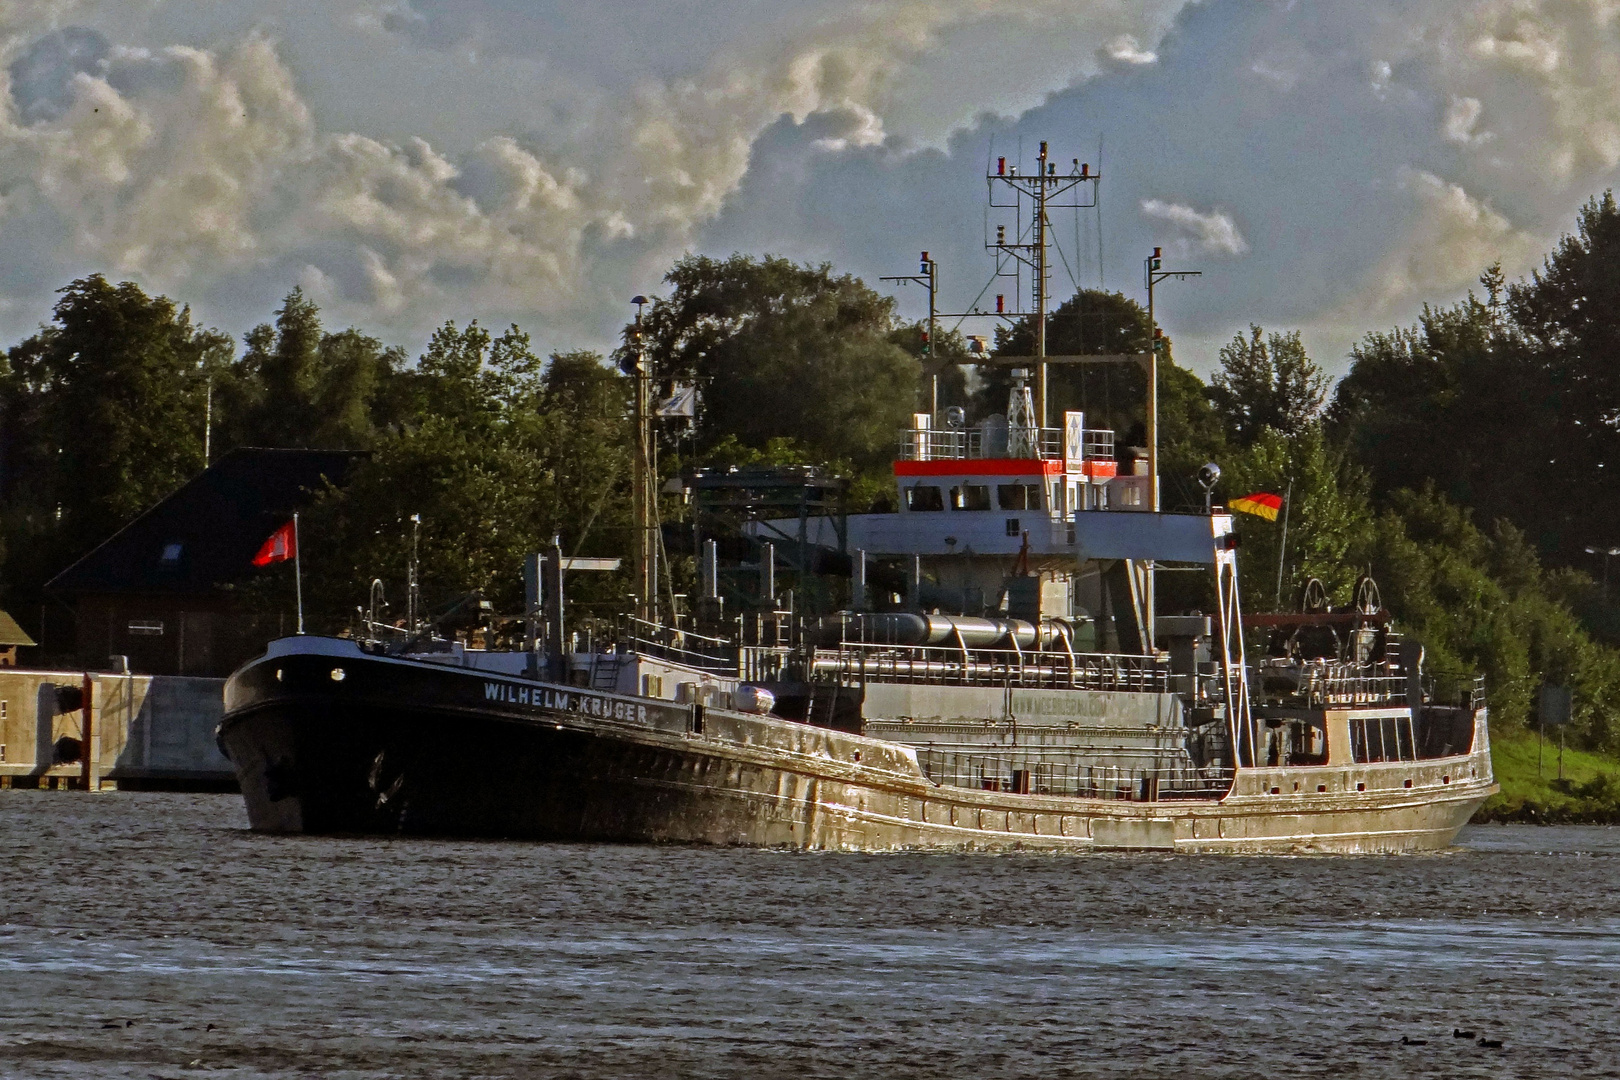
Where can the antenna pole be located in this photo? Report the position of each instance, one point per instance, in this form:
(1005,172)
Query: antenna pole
(1282,549)
(1041,186)
(933,340)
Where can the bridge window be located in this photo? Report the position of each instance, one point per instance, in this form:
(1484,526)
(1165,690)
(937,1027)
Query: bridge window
(1019,496)
(924,497)
(970,497)
(1387,738)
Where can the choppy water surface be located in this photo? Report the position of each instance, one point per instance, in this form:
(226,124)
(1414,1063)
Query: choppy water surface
(153,935)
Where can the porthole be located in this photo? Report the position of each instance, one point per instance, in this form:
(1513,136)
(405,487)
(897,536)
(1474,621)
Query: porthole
(338,674)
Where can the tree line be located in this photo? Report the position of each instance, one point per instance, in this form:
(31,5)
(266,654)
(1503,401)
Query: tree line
(1463,460)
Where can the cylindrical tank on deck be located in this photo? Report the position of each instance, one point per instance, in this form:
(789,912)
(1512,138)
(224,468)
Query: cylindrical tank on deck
(945,631)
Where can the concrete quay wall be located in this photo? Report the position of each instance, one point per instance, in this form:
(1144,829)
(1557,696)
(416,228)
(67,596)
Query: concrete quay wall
(146,731)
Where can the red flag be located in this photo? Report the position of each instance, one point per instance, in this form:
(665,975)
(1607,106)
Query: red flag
(282,545)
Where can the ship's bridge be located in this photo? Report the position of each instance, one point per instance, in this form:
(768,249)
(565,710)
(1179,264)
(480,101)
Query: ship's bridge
(1000,467)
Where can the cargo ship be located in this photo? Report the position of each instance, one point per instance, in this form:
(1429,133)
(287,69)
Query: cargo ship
(997,680)
(984,667)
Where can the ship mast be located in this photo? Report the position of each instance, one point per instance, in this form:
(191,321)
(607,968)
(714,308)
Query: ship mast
(1044,189)
(643,481)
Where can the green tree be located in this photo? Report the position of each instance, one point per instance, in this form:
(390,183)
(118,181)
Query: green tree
(297,385)
(944,357)
(505,452)
(104,411)
(1267,381)
(780,350)
(1115,395)
(1091,321)
(1329,516)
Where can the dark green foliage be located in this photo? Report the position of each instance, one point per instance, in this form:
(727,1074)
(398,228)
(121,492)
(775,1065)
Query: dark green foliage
(1267,383)
(1114,395)
(1329,516)
(103,416)
(297,385)
(1091,321)
(943,359)
(1510,408)
(779,350)
(1480,601)
(503,453)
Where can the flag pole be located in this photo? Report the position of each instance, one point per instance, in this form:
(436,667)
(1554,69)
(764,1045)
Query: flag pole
(298,574)
(1282,549)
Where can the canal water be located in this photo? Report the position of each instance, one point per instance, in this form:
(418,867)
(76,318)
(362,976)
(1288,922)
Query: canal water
(152,935)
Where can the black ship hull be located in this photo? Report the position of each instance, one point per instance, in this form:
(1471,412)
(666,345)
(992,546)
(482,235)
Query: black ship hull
(328,739)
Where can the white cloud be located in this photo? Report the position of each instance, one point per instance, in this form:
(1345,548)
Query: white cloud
(1462,115)
(1214,232)
(1127,50)
(1451,237)
(186,166)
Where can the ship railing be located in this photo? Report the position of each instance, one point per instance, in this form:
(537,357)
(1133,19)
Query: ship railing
(1331,682)
(854,663)
(931,444)
(678,646)
(936,444)
(1070,775)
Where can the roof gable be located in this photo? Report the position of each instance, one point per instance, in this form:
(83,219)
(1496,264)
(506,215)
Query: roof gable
(204,536)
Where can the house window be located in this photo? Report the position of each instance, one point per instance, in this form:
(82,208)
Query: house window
(171,554)
(5,709)
(924,497)
(146,627)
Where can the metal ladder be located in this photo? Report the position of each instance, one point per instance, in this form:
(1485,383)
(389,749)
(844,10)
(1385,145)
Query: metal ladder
(604,672)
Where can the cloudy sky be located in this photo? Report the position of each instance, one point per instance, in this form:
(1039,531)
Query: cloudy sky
(1328,166)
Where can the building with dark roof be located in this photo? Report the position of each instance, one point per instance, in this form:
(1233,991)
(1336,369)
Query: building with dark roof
(163,590)
(11,636)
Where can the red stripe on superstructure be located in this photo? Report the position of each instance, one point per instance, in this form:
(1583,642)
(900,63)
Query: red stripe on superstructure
(979,467)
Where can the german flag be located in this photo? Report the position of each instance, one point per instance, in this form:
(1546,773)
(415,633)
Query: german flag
(1259,504)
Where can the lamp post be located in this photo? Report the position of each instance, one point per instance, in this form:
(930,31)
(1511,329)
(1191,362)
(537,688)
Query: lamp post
(928,278)
(1153,273)
(1607,553)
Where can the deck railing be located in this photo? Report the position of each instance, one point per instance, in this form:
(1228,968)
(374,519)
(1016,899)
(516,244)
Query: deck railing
(992,667)
(935,444)
(1328,682)
(678,646)
(1056,773)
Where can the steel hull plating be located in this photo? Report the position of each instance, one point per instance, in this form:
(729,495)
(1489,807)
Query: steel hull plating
(404,746)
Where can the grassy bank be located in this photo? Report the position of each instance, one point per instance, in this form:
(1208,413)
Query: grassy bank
(1589,793)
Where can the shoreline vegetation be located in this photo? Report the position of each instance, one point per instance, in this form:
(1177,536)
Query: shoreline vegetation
(1588,793)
